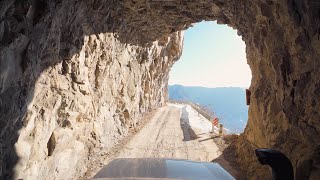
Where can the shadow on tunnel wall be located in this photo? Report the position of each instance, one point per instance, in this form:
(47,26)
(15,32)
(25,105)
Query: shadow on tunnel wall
(33,37)
(38,34)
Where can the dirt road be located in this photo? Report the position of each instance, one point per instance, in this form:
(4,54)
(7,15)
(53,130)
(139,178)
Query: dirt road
(175,131)
(170,134)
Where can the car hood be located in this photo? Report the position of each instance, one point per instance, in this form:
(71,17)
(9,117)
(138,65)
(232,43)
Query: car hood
(159,168)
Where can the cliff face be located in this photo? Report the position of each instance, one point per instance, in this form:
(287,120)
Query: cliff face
(62,101)
(89,102)
(69,86)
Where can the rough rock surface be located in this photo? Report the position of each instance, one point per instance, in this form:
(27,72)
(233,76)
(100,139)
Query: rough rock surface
(67,84)
(60,103)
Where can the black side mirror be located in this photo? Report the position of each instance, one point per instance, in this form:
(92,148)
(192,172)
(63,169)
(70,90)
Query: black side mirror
(280,164)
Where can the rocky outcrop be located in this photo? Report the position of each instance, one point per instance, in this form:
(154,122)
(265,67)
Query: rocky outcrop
(61,101)
(282,45)
(67,84)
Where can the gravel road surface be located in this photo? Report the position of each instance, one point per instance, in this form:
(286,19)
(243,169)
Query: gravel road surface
(174,131)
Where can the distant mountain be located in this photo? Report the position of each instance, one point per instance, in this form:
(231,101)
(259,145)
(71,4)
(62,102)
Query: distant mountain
(228,103)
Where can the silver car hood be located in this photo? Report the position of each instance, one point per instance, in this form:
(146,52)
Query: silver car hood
(158,168)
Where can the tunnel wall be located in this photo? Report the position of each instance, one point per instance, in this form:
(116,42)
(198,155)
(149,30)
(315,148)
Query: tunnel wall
(76,74)
(66,95)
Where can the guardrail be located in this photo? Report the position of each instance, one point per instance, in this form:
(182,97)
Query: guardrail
(195,107)
(220,129)
(203,113)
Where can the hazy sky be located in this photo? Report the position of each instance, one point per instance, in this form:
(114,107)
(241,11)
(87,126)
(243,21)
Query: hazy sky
(213,56)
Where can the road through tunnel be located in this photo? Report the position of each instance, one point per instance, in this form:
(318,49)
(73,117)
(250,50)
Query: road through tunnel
(96,47)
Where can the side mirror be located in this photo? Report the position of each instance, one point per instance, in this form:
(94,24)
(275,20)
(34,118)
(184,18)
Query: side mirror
(280,164)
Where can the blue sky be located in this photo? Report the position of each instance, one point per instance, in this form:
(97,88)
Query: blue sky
(213,56)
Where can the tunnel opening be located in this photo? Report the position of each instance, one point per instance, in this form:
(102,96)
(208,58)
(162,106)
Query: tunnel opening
(213,73)
(77,38)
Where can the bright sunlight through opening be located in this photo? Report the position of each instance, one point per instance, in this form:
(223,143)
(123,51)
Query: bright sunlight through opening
(213,56)
(213,73)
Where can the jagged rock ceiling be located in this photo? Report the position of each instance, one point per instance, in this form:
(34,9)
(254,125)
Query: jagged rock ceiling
(282,46)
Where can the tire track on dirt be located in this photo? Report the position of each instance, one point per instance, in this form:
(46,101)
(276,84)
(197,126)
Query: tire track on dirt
(159,145)
(168,134)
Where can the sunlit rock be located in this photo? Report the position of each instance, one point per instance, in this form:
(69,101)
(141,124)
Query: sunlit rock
(88,70)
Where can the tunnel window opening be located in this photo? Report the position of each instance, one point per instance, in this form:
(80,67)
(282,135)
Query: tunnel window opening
(213,74)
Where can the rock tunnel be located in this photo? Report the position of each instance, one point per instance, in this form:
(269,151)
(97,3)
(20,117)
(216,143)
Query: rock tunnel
(76,75)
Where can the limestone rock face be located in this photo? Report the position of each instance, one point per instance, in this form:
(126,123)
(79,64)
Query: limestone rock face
(75,75)
(61,101)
